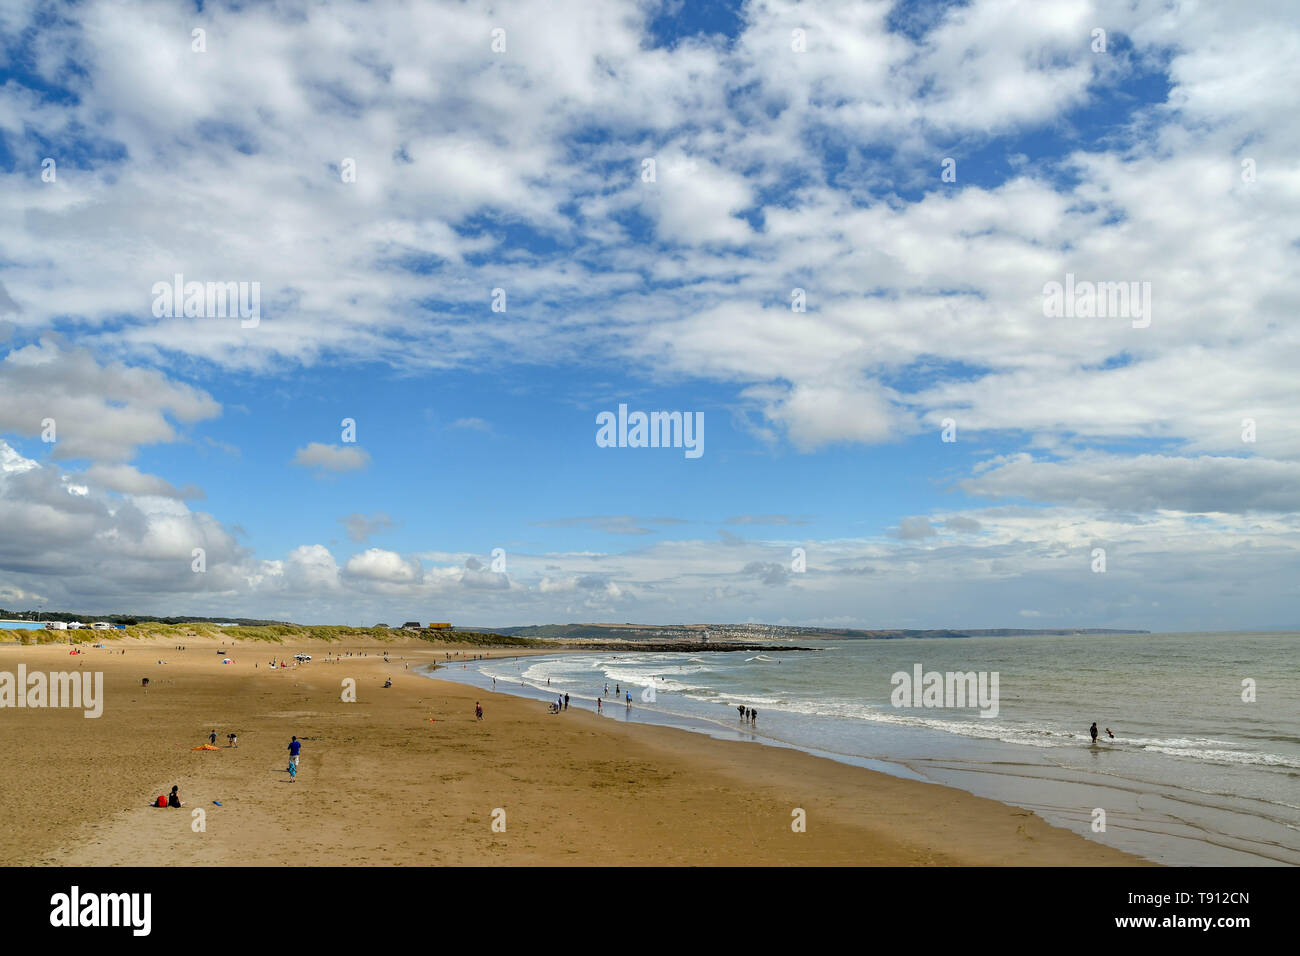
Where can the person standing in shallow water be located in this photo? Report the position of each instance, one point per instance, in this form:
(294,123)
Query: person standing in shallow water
(1093,730)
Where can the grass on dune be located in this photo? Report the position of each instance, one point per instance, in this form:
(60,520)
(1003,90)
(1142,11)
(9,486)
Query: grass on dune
(270,633)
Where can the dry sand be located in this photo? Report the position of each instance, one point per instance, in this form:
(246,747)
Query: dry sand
(381,784)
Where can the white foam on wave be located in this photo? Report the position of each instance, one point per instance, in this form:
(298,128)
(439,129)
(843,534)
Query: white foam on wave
(637,673)
(1229,756)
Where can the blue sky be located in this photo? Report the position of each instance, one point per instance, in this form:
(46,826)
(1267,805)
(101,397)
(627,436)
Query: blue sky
(795,146)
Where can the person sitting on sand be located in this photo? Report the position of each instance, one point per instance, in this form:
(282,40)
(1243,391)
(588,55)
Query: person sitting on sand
(174,798)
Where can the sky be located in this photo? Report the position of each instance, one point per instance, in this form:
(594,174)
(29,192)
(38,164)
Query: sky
(826,231)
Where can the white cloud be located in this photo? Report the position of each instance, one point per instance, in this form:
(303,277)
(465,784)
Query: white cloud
(129,480)
(1146,483)
(103,412)
(360,527)
(332,457)
(377,564)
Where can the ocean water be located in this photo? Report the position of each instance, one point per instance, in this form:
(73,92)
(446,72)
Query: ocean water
(1195,775)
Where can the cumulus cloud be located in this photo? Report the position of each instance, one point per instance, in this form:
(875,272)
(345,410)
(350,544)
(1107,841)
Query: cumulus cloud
(376,564)
(360,527)
(130,481)
(103,412)
(776,171)
(914,529)
(1146,482)
(335,458)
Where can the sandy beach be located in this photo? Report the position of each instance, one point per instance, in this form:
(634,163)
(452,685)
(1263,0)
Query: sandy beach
(383,784)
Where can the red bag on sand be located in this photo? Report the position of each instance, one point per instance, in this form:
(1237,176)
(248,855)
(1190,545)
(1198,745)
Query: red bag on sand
(162,802)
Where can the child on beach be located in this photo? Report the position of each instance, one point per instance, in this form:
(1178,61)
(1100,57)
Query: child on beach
(174,798)
(293,771)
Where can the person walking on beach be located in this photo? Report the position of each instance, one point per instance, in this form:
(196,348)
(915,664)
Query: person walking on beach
(478,710)
(212,737)
(599,710)
(1093,730)
(566,701)
(295,746)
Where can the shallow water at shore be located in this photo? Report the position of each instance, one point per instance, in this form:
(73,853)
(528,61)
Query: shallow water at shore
(1194,775)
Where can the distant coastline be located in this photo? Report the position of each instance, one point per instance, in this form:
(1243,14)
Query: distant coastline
(640,635)
(728,633)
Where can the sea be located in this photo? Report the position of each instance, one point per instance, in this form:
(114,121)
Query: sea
(1203,768)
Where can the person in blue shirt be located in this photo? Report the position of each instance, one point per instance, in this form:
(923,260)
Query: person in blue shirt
(295,745)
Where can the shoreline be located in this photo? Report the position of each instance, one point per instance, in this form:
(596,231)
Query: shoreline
(383,784)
